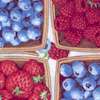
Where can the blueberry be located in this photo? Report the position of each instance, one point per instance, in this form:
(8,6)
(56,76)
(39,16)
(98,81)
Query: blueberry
(90,98)
(15,42)
(16,15)
(77,94)
(38,6)
(93,76)
(68,84)
(2,4)
(87,94)
(24,5)
(89,84)
(2,42)
(8,34)
(3,16)
(96,93)
(36,20)
(94,69)
(47,47)
(11,5)
(6,23)
(22,36)
(17,26)
(66,70)
(34,33)
(79,69)
(79,81)
(66,94)
(98,82)
(6,1)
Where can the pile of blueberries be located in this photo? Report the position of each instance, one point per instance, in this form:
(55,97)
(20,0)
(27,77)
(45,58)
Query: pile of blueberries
(20,21)
(81,81)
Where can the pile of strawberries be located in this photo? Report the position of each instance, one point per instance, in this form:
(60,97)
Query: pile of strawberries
(78,20)
(25,82)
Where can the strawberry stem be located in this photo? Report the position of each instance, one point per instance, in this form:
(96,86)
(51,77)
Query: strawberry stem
(43,95)
(17,91)
(37,79)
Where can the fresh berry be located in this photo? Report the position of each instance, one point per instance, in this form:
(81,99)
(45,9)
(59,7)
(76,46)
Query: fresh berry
(34,96)
(36,69)
(77,94)
(7,67)
(68,9)
(42,92)
(90,98)
(56,53)
(2,81)
(6,1)
(66,70)
(87,94)
(94,69)
(5,95)
(68,84)
(15,42)
(96,93)
(78,22)
(20,84)
(89,84)
(62,23)
(66,94)
(2,42)
(92,16)
(79,69)
(73,38)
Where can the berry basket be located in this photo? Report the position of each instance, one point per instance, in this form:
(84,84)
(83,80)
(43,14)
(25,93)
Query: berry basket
(64,77)
(34,24)
(21,92)
(62,23)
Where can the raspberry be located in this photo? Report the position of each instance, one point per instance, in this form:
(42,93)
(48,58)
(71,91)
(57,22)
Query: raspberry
(79,22)
(68,9)
(62,23)
(92,16)
(56,53)
(73,38)
(81,5)
(91,33)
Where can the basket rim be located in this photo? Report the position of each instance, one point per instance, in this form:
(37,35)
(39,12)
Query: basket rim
(68,60)
(52,8)
(44,36)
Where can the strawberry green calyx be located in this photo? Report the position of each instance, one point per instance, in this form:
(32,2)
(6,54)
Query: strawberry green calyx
(38,79)
(17,91)
(44,95)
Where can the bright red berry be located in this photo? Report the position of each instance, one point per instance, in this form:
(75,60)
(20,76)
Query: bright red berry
(68,9)
(62,23)
(78,22)
(7,67)
(57,53)
(5,95)
(72,37)
(20,84)
(35,69)
(42,92)
(2,81)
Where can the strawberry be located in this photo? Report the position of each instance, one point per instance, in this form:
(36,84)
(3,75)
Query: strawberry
(7,67)
(93,16)
(78,22)
(5,95)
(20,84)
(61,23)
(42,92)
(57,53)
(81,5)
(68,9)
(35,69)
(2,80)
(72,37)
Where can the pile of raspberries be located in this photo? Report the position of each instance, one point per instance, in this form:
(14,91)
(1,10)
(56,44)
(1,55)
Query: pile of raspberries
(25,82)
(78,20)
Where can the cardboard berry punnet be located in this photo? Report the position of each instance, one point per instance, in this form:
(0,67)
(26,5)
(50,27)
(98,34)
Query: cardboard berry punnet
(76,26)
(86,61)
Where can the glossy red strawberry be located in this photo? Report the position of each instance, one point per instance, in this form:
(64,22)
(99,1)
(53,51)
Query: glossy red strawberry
(62,23)
(35,69)
(78,22)
(72,37)
(20,84)
(2,81)
(42,92)
(68,9)
(5,95)
(57,53)
(7,67)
